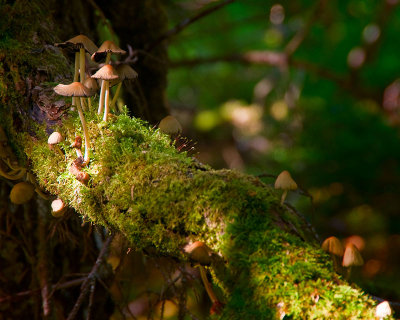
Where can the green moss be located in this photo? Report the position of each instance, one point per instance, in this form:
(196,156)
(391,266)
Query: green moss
(157,197)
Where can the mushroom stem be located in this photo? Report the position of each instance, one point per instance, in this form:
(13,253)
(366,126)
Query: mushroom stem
(348,273)
(114,100)
(106,100)
(207,284)
(284,194)
(82,65)
(76,74)
(85,131)
(108,57)
(101,100)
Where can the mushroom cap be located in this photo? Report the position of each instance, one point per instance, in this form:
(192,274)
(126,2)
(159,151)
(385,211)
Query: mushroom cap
(77,142)
(55,138)
(333,245)
(352,257)
(91,84)
(107,72)
(383,310)
(198,251)
(285,181)
(107,46)
(170,125)
(75,89)
(126,72)
(78,42)
(58,208)
(22,192)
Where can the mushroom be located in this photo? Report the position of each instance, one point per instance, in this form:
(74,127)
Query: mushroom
(92,85)
(285,181)
(169,125)
(54,139)
(76,170)
(383,310)
(199,252)
(78,145)
(22,192)
(106,73)
(351,258)
(77,89)
(124,72)
(105,50)
(58,208)
(334,247)
(79,44)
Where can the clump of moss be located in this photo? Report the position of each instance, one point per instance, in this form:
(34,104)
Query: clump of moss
(157,197)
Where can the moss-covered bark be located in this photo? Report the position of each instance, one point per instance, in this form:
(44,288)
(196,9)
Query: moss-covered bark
(266,262)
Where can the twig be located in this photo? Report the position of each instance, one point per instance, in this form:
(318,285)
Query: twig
(92,275)
(281,60)
(42,266)
(91,298)
(299,37)
(186,22)
(272,58)
(65,285)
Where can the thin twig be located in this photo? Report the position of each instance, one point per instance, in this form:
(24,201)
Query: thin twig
(91,298)
(281,60)
(42,266)
(299,37)
(65,285)
(91,275)
(186,22)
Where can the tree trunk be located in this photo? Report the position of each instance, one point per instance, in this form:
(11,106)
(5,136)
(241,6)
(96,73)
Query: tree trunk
(266,261)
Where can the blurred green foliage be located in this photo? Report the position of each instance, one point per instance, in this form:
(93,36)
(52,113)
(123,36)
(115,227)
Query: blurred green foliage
(331,117)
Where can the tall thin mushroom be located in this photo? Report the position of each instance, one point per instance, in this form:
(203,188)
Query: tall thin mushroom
(77,89)
(125,72)
(79,44)
(106,73)
(106,49)
(92,85)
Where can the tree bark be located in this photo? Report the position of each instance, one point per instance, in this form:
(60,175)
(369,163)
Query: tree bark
(265,260)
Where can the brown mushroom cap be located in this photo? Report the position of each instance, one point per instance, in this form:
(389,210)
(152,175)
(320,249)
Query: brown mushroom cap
(285,181)
(124,72)
(107,72)
(198,251)
(22,192)
(91,84)
(333,245)
(75,89)
(352,257)
(55,138)
(78,42)
(106,47)
(170,125)
(58,208)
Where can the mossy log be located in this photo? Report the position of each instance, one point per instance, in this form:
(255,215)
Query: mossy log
(266,261)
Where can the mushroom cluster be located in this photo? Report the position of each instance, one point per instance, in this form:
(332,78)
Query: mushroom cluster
(87,87)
